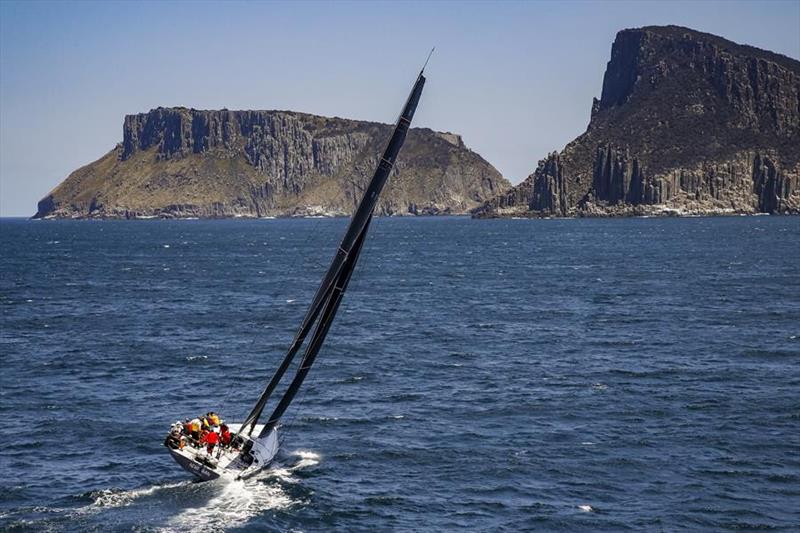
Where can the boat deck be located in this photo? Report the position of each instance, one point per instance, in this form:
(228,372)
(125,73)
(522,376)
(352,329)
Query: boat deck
(228,462)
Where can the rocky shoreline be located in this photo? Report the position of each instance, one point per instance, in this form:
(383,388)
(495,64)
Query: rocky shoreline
(183,215)
(630,212)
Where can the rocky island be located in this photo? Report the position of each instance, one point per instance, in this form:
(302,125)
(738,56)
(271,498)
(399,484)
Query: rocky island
(179,163)
(687,123)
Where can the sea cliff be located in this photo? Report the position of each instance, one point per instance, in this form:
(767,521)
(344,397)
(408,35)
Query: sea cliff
(687,123)
(179,162)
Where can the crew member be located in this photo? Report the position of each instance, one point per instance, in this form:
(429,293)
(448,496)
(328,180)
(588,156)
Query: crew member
(210,439)
(224,435)
(175,438)
(194,429)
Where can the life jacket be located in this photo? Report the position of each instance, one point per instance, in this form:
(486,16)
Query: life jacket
(225,437)
(211,438)
(214,418)
(194,425)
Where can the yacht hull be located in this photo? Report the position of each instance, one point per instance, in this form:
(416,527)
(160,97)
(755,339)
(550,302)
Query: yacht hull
(191,465)
(229,463)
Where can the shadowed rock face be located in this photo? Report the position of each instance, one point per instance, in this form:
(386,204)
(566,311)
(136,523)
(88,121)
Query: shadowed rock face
(178,162)
(687,122)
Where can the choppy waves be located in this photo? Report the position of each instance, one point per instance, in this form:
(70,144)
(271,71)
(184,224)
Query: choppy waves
(482,375)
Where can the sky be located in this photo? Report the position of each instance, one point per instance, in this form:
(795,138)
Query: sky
(515,79)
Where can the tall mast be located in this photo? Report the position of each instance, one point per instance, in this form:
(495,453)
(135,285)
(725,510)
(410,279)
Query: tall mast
(328,296)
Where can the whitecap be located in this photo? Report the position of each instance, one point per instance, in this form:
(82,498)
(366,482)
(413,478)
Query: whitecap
(290,301)
(110,498)
(323,418)
(586,508)
(307,459)
(166,245)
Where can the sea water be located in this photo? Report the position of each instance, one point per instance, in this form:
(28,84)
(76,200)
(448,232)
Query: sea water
(638,374)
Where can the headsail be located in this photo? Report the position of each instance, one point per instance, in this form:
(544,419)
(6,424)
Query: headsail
(329,294)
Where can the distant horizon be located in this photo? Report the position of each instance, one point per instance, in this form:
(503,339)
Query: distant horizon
(516,81)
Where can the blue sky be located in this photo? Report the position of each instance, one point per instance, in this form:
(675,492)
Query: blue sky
(516,79)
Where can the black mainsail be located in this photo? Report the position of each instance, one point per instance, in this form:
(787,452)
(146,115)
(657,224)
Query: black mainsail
(322,311)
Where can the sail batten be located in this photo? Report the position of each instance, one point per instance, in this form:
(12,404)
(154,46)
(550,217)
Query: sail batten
(331,290)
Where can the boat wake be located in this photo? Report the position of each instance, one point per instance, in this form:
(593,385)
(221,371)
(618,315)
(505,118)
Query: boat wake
(184,505)
(235,502)
(233,505)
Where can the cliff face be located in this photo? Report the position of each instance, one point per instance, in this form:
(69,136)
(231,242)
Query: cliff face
(687,122)
(178,162)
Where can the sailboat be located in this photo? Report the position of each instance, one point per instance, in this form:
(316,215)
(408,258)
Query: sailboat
(254,445)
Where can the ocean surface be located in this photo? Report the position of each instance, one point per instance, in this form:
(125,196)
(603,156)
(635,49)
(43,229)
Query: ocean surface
(497,375)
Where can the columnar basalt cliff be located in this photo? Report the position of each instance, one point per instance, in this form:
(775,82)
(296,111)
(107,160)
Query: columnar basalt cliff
(687,123)
(178,162)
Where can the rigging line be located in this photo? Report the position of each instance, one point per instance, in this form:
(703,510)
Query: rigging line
(428,58)
(321,329)
(289,426)
(421,71)
(309,322)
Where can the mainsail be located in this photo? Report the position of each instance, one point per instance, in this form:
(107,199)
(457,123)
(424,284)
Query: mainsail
(329,295)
